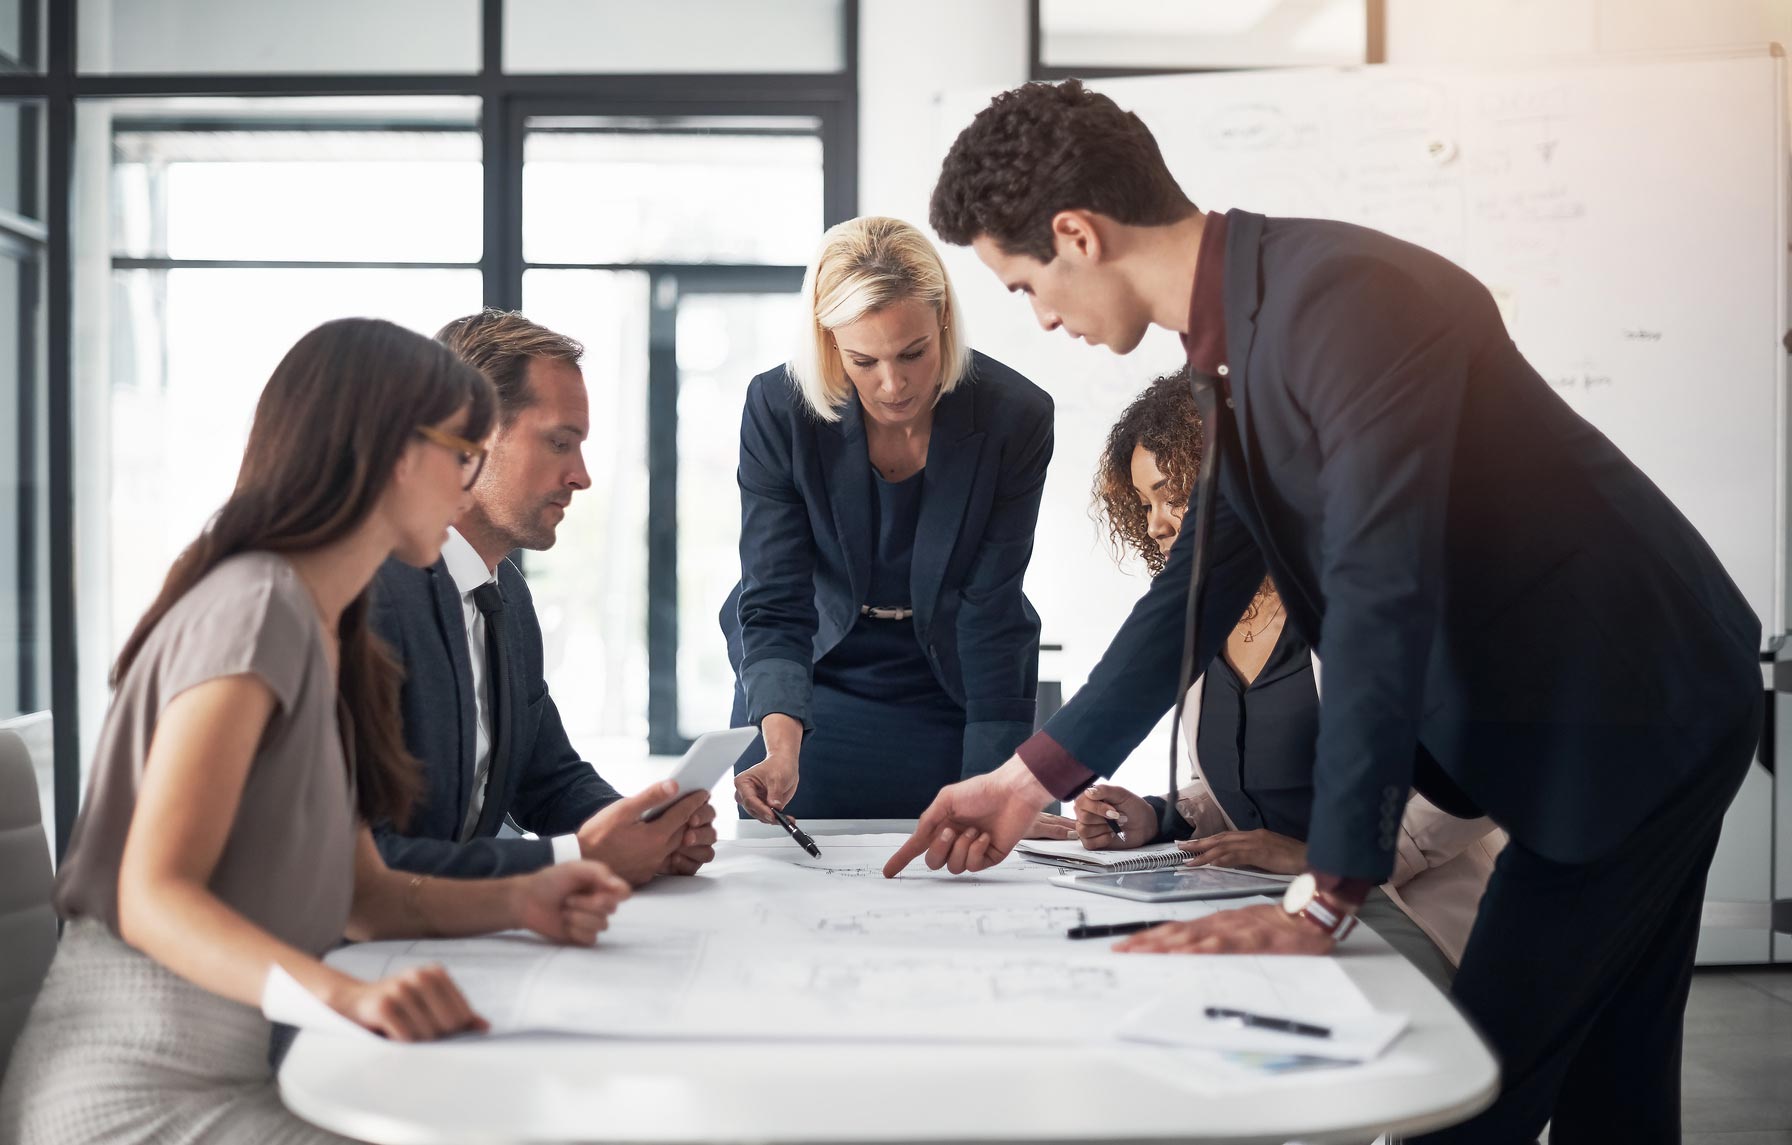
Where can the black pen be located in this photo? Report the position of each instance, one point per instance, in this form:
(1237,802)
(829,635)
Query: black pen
(1262,1022)
(1110,929)
(797,833)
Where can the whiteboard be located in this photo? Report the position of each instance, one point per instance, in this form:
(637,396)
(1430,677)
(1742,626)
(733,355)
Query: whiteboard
(1629,217)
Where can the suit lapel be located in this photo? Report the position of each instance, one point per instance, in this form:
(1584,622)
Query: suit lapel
(454,634)
(953,450)
(847,471)
(1244,238)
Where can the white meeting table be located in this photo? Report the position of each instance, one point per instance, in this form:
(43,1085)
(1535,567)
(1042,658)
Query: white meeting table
(559,1088)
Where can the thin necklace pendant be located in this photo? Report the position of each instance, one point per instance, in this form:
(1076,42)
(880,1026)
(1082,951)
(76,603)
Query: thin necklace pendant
(1250,636)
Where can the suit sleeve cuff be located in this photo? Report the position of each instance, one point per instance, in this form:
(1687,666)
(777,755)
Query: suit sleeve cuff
(1347,892)
(778,686)
(1055,769)
(566,849)
(1171,826)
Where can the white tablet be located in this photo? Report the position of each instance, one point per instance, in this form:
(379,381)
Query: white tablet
(1176,884)
(704,764)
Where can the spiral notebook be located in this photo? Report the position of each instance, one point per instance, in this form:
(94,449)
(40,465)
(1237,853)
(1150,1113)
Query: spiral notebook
(1070,853)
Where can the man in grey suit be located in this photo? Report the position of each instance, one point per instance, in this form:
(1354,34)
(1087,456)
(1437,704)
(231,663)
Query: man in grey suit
(477,713)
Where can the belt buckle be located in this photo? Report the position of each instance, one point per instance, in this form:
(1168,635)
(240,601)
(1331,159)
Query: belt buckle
(885,612)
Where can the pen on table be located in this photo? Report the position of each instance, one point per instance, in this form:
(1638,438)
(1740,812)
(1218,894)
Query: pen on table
(797,833)
(1110,929)
(1264,1022)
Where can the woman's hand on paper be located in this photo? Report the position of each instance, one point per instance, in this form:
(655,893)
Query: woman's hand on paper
(417,1005)
(1264,929)
(568,902)
(1264,850)
(772,781)
(1112,818)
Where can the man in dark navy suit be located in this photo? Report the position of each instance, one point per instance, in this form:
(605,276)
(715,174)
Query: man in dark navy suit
(477,712)
(1514,620)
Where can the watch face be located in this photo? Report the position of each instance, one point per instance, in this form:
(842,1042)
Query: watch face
(1300,892)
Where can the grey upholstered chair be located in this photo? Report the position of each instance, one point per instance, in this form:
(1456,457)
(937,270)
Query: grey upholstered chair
(27,922)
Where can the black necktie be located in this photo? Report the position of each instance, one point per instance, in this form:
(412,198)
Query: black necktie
(1214,432)
(489,599)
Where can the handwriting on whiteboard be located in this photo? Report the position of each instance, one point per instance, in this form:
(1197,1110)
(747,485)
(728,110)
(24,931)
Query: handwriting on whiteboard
(1585,381)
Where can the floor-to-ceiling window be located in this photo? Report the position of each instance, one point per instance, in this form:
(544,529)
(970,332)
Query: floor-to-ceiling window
(680,296)
(24,504)
(230,237)
(217,176)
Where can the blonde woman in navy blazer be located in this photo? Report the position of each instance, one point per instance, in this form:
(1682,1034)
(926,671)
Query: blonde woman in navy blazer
(890,480)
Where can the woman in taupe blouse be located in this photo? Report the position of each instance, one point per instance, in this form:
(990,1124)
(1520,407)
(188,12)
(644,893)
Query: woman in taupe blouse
(253,735)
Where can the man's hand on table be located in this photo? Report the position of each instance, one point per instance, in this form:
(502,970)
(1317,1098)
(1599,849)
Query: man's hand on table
(1262,929)
(973,824)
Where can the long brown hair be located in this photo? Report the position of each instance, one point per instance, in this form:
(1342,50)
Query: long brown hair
(329,430)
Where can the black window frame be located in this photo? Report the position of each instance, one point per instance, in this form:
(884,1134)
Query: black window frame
(506,100)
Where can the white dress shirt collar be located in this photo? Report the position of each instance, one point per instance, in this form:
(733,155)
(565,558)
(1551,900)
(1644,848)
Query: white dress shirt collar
(465,565)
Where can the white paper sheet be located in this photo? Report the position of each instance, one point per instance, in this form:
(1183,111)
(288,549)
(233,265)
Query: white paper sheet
(283,1000)
(1357,1033)
(769,943)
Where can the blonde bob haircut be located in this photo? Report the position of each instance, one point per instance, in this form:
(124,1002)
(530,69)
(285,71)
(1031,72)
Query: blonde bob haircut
(863,266)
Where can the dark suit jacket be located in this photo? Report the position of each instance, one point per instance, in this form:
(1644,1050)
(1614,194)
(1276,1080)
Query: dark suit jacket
(1508,610)
(805,549)
(541,782)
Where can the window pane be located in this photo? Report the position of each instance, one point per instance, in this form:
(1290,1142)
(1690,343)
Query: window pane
(234,36)
(1172,34)
(301,195)
(590,589)
(22,28)
(24,439)
(24,592)
(24,524)
(628,36)
(21,159)
(607,195)
(191,351)
(724,340)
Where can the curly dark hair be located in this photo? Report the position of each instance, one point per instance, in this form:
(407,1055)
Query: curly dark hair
(1043,148)
(1164,420)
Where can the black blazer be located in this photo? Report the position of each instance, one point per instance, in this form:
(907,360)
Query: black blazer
(541,782)
(1511,615)
(805,549)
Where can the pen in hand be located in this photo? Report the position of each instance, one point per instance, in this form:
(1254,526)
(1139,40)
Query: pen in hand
(1264,1022)
(797,833)
(1116,823)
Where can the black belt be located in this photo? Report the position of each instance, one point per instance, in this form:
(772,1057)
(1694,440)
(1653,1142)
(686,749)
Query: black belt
(885,612)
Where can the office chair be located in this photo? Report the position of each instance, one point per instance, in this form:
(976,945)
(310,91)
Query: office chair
(27,920)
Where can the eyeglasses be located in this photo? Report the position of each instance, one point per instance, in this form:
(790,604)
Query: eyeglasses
(472,454)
